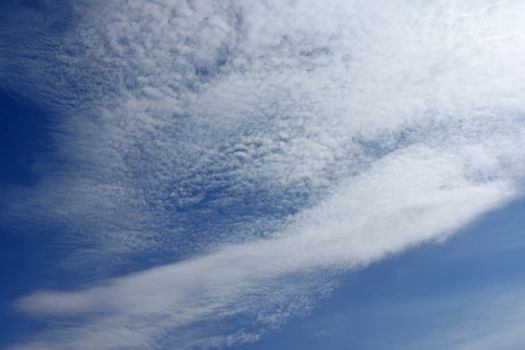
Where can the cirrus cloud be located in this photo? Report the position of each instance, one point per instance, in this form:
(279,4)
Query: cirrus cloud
(262,144)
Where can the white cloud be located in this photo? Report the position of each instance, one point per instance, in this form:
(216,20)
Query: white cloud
(400,202)
(275,139)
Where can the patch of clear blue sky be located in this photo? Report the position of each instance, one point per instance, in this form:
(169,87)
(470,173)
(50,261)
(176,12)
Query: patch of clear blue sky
(29,254)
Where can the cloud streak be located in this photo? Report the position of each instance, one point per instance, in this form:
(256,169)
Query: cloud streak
(339,233)
(266,146)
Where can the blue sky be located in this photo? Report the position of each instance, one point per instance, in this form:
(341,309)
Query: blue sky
(265,175)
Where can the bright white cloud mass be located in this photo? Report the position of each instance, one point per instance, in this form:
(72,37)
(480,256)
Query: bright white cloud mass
(262,148)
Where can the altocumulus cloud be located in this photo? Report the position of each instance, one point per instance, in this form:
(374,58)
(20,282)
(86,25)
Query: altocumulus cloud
(265,147)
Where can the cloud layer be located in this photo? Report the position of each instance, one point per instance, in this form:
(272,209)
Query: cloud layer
(265,147)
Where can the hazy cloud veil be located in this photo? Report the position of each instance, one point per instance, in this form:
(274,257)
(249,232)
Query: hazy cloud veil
(260,148)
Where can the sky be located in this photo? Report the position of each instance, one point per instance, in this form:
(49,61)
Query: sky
(262,174)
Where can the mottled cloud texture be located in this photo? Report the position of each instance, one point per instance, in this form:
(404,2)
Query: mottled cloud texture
(263,148)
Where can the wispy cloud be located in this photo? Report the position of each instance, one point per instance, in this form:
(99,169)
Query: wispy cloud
(398,203)
(266,142)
